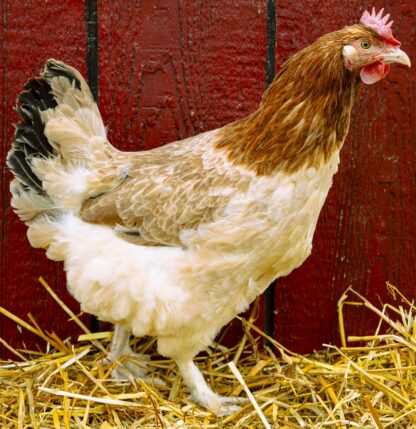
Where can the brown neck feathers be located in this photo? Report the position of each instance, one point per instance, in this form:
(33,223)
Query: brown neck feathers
(304,115)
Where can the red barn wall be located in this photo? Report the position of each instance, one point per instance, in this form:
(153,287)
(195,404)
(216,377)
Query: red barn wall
(366,231)
(168,70)
(31,32)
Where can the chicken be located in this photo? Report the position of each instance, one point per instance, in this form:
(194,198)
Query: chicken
(174,242)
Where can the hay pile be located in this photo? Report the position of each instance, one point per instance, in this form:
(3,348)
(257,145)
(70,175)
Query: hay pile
(371,386)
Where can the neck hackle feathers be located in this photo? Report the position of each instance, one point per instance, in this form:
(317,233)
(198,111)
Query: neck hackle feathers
(304,116)
(380,25)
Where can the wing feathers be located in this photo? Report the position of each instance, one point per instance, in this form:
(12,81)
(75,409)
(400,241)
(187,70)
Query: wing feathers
(165,195)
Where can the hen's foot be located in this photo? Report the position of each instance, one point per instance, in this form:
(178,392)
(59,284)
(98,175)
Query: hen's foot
(220,405)
(127,366)
(203,395)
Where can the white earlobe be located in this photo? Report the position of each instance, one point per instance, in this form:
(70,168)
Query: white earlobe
(349,52)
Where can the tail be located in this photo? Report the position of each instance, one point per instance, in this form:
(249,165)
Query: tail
(59,140)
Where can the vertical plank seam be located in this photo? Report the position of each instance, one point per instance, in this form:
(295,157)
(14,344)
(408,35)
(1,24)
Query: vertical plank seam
(269,294)
(3,154)
(91,22)
(271,41)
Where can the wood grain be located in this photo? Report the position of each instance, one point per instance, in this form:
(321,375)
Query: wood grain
(30,34)
(365,235)
(169,70)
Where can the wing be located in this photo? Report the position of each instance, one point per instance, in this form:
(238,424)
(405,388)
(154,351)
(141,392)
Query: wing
(168,190)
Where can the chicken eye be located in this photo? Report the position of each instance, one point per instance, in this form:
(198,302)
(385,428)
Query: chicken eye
(365,44)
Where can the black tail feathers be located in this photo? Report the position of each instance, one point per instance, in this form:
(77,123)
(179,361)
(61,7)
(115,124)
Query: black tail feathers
(30,140)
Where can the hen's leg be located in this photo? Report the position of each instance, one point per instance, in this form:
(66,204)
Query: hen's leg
(132,364)
(120,342)
(203,395)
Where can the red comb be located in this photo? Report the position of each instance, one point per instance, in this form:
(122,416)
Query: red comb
(379,24)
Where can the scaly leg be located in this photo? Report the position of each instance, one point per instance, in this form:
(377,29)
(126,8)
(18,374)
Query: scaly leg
(203,395)
(133,363)
(120,342)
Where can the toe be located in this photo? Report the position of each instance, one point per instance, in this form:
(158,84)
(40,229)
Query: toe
(227,410)
(120,373)
(230,405)
(127,366)
(234,400)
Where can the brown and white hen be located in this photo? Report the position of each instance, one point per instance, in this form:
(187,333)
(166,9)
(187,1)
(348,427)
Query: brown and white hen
(175,241)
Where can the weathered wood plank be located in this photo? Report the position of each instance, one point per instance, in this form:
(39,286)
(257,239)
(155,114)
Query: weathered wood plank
(31,33)
(173,69)
(169,70)
(365,235)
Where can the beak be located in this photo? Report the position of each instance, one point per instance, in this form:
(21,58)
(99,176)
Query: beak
(396,55)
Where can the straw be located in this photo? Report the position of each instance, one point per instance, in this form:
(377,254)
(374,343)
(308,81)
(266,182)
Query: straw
(370,385)
(238,376)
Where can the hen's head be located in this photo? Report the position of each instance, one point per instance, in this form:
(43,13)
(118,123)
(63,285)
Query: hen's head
(370,47)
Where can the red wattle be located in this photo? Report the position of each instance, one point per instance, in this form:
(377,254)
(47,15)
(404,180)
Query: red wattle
(374,72)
